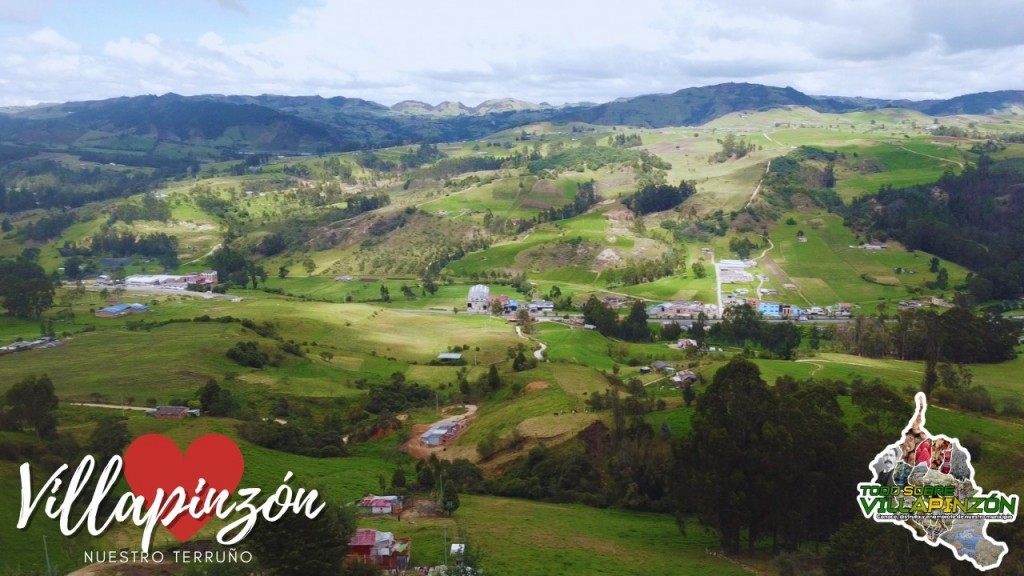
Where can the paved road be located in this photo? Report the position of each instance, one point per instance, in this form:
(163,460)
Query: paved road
(110,406)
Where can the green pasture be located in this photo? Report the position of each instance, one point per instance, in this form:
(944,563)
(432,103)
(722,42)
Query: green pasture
(905,163)
(675,288)
(575,345)
(174,360)
(679,420)
(827,270)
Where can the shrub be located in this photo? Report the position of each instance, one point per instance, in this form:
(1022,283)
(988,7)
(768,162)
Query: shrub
(248,354)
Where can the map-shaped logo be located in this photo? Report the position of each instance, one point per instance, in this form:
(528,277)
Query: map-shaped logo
(926,484)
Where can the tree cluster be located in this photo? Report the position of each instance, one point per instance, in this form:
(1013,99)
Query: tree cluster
(742,326)
(633,327)
(956,336)
(749,444)
(25,288)
(974,219)
(50,225)
(35,184)
(659,197)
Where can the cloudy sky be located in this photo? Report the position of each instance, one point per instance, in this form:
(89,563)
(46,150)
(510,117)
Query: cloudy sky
(472,50)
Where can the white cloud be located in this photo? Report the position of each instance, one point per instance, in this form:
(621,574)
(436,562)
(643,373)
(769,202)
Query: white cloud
(50,39)
(389,50)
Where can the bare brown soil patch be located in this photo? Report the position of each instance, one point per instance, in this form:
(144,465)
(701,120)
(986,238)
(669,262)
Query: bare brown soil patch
(536,386)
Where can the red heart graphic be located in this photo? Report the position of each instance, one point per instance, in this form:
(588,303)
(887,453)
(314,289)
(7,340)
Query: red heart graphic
(154,461)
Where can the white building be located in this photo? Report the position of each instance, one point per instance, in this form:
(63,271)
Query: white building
(479,300)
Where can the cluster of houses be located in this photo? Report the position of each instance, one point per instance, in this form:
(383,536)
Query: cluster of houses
(381,549)
(118,310)
(22,345)
(480,301)
(782,311)
(682,309)
(443,432)
(680,378)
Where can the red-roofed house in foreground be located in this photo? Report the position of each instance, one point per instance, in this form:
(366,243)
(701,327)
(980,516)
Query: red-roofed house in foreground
(380,548)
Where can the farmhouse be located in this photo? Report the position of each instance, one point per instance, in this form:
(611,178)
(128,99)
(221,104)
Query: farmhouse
(662,366)
(449,358)
(380,504)
(121,310)
(381,549)
(684,378)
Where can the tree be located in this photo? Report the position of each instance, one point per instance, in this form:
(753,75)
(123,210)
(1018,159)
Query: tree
(493,378)
(25,288)
(699,270)
(398,478)
(634,328)
(524,321)
(731,457)
(671,331)
(309,265)
(385,294)
(698,330)
(296,545)
(109,438)
(428,283)
(689,395)
(256,273)
(282,272)
(6,225)
(601,316)
(33,402)
(216,401)
(450,499)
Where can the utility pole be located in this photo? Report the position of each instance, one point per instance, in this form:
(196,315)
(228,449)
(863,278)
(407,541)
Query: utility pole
(446,546)
(46,552)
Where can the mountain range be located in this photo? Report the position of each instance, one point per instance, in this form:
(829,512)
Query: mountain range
(217,124)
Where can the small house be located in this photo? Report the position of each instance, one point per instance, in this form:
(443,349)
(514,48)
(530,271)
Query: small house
(449,357)
(381,549)
(662,366)
(380,504)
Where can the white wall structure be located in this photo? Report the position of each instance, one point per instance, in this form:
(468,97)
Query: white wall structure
(479,300)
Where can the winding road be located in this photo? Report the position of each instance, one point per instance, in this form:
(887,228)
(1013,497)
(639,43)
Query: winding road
(538,353)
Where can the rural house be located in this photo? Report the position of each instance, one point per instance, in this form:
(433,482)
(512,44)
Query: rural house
(662,366)
(380,549)
(380,504)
